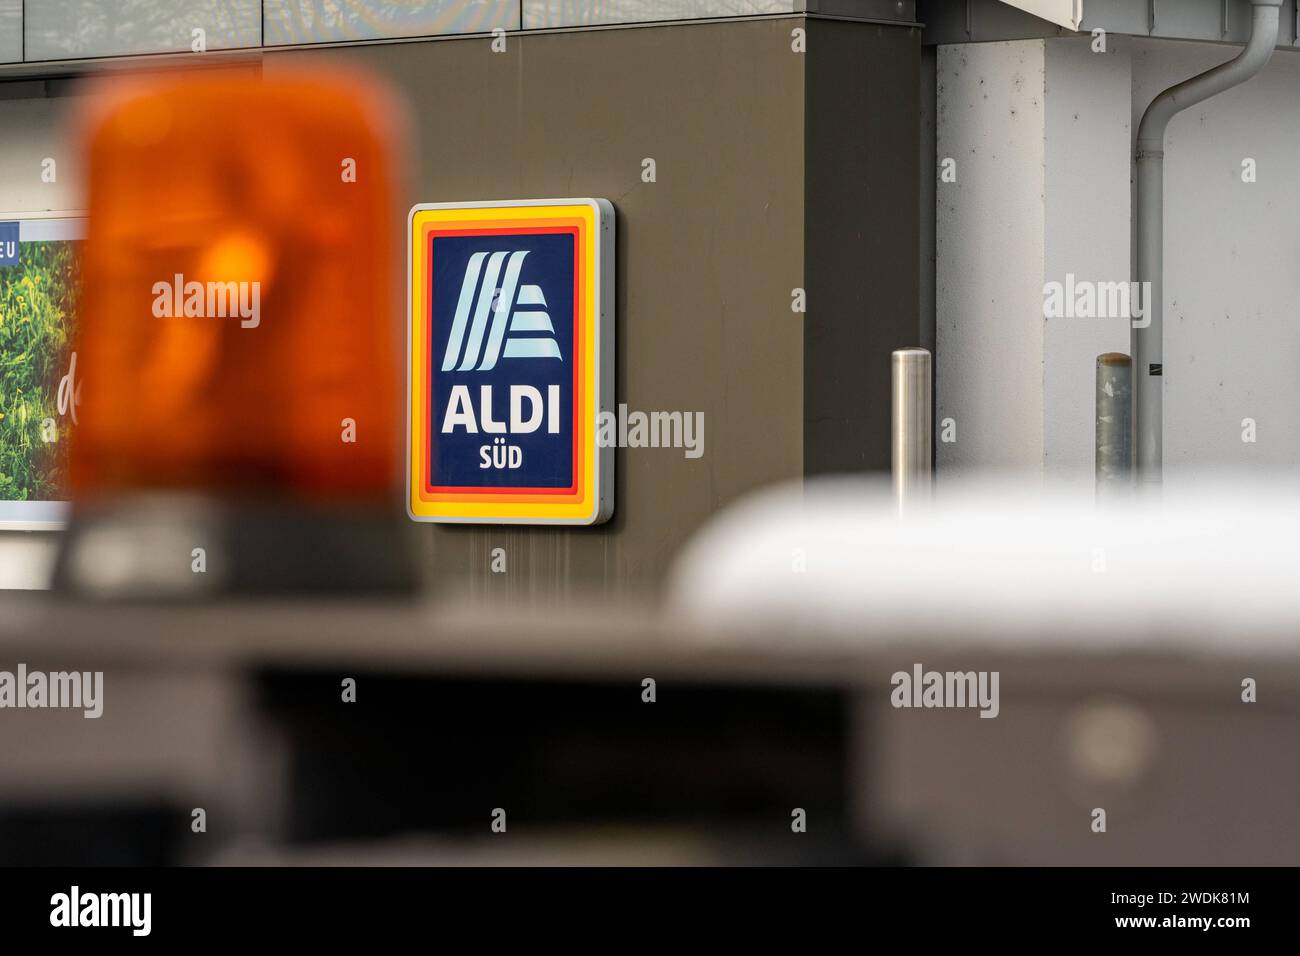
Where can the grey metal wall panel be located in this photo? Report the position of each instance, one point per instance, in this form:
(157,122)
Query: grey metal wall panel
(956,21)
(540,14)
(1188,18)
(1116,16)
(75,29)
(903,11)
(11,31)
(289,22)
(978,21)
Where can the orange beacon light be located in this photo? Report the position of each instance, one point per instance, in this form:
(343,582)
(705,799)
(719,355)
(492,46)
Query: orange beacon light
(236,336)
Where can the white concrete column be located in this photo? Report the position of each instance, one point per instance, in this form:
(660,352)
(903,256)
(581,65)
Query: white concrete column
(1039,132)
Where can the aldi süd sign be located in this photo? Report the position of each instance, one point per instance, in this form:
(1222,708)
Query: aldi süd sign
(510,361)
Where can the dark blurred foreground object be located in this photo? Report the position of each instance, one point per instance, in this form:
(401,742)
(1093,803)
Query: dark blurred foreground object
(144,547)
(588,772)
(93,834)
(239,429)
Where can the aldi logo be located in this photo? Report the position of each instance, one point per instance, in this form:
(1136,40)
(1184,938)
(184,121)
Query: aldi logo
(510,361)
(501,310)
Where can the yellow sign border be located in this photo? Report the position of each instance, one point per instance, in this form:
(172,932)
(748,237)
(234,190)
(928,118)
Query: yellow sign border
(595,502)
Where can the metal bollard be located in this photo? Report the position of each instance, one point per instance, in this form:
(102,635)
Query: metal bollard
(1114,461)
(912,417)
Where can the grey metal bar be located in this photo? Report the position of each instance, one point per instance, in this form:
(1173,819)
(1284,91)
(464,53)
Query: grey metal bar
(1114,436)
(913,415)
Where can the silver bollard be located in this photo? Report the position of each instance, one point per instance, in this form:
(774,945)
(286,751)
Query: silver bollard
(1114,462)
(912,417)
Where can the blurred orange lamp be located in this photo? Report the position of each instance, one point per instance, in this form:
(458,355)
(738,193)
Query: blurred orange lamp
(236,334)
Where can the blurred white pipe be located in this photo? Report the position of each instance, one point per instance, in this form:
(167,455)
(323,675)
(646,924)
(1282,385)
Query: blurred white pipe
(1006,564)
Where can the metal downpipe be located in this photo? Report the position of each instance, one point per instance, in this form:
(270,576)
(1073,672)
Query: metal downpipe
(1148,336)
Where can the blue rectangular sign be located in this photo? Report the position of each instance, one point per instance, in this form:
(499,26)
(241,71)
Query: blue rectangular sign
(501,338)
(510,361)
(8,243)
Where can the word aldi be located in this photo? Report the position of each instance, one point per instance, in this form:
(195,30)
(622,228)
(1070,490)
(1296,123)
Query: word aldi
(510,361)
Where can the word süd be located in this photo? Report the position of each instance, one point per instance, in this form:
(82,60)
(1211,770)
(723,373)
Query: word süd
(217,300)
(923,688)
(103,909)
